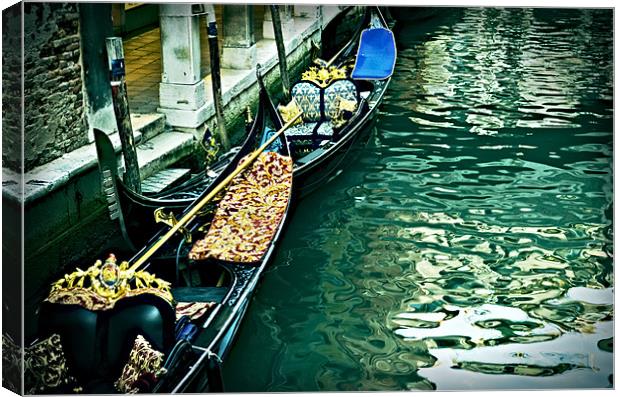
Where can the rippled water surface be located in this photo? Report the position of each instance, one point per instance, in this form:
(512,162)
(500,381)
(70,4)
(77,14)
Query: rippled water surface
(468,245)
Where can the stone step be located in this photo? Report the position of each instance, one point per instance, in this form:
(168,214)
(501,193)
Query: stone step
(163,152)
(164,179)
(148,124)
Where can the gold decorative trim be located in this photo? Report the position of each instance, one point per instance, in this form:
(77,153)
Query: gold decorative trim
(102,285)
(323,76)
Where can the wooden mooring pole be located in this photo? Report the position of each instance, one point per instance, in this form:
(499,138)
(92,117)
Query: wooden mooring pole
(216,78)
(116,64)
(277,32)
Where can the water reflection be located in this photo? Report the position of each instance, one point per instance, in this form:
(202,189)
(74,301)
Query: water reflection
(497,69)
(469,246)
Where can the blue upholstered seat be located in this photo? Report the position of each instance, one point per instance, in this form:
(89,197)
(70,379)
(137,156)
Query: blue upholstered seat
(376,55)
(319,106)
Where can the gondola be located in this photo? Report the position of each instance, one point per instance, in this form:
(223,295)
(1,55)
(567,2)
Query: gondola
(313,166)
(164,324)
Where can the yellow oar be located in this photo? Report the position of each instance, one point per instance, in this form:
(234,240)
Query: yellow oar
(327,64)
(192,213)
(334,58)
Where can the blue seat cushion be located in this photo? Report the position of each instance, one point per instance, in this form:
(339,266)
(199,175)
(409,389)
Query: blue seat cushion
(325,130)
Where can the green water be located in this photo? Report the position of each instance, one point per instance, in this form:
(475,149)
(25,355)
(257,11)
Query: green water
(468,245)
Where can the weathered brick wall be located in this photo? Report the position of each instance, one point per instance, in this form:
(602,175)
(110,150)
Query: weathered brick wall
(11,87)
(54,108)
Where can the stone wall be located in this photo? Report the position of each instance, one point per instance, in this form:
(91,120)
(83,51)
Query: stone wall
(11,90)
(54,106)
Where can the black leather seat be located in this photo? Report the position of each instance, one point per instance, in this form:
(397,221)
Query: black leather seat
(97,343)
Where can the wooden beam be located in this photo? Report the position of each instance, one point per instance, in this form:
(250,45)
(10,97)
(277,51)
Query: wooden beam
(216,78)
(116,65)
(277,32)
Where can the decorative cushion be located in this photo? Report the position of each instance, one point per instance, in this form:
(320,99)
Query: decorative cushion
(11,364)
(308,98)
(289,111)
(194,310)
(250,213)
(305,131)
(45,366)
(335,93)
(141,371)
(344,111)
(347,106)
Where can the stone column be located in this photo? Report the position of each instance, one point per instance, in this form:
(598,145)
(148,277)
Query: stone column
(182,95)
(288,23)
(239,41)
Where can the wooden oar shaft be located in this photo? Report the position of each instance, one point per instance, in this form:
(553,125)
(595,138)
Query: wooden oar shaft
(333,59)
(191,213)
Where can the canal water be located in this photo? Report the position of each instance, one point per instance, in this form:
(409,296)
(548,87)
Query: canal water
(468,245)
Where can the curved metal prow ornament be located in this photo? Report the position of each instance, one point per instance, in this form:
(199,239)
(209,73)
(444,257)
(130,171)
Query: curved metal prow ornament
(171,220)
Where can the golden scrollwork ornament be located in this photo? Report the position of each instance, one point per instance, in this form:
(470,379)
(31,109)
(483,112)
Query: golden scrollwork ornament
(323,76)
(103,284)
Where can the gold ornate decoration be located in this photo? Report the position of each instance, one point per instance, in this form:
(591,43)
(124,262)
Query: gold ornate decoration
(323,76)
(171,220)
(289,111)
(102,285)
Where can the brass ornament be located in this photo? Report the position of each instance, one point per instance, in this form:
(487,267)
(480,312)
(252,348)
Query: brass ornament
(248,116)
(102,285)
(171,220)
(320,62)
